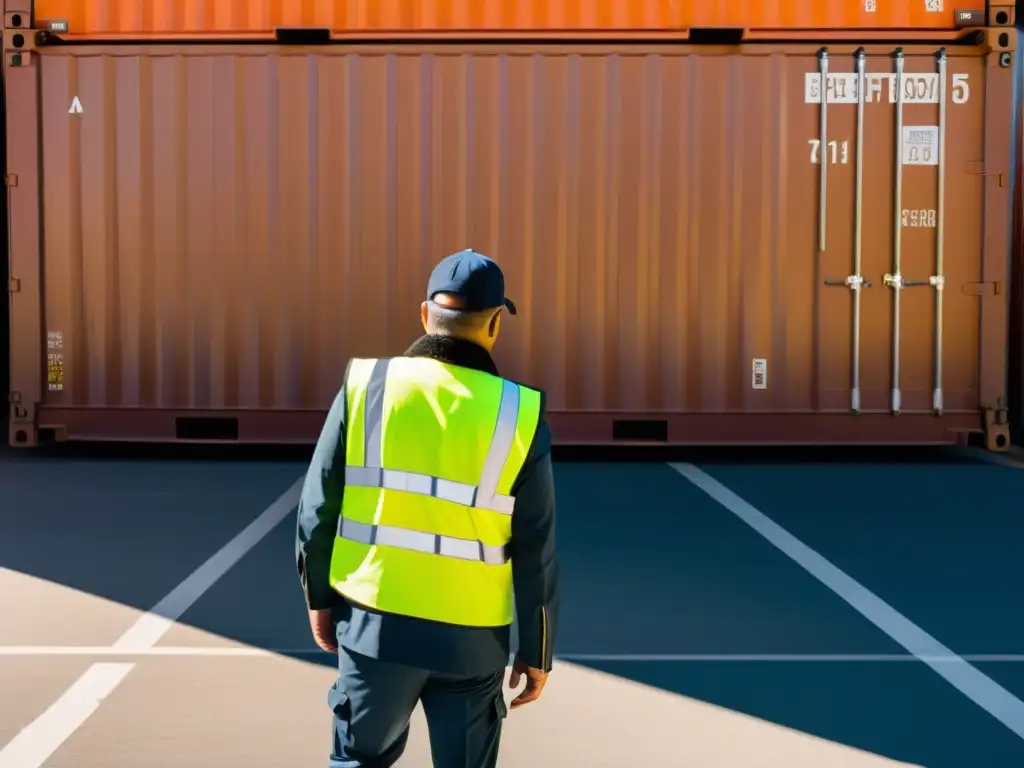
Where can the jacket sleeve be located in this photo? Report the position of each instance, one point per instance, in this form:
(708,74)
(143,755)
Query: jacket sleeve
(534,559)
(320,508)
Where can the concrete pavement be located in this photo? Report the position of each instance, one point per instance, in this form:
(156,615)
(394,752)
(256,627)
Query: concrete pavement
(688,638)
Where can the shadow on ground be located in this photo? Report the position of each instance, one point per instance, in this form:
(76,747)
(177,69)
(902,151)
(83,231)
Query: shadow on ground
(650,566)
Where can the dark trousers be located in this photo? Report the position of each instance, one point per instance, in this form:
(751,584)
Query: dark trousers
(373,700)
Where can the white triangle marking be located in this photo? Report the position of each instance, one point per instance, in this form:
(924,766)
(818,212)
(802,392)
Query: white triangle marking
(76,107)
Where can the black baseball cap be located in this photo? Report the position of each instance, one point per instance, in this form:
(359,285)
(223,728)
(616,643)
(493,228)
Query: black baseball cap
(474,278)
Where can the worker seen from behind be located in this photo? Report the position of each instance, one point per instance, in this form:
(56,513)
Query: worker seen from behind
(430,502)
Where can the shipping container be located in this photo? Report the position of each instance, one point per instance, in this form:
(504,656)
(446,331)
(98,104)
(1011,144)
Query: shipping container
(203,235)
(262,17)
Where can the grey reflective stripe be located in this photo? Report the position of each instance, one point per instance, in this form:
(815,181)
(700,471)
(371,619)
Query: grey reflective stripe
(373,414)
(426,485)
(419,541)
(482,496)
(501,444)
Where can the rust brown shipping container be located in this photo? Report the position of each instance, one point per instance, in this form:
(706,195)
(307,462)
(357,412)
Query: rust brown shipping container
(262,17)
(203,235)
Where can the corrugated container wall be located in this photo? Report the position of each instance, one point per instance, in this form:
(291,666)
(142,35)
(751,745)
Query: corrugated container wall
(212,231)
(354,16)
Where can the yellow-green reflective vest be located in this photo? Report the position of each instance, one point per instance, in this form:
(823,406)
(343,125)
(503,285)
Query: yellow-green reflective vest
(431,453)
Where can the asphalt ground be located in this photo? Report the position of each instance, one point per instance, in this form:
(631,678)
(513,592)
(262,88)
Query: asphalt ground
(731,609)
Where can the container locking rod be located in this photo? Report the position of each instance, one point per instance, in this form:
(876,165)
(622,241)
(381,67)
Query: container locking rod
(823,139)
(937,280)
(895,279)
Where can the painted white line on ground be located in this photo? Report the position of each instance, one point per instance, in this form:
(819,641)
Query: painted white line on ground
(42,737)
(153,625)
(971,682)
(246,652)
(788,658)
(157,651)
(34,745)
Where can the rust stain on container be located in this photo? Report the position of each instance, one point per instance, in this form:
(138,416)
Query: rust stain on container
(222,227)
(347,16)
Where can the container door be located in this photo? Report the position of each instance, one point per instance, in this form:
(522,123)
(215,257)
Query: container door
(899,228)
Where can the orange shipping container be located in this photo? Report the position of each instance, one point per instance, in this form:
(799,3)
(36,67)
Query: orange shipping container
(203,235)
(163,17)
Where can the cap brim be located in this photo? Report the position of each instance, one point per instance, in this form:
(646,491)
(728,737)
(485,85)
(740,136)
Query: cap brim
(510,306)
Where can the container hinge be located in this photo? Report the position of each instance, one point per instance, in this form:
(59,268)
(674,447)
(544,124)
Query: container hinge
(977,168)
(990,288)
(853,282)
(11,179)
(18,411)
(14,285)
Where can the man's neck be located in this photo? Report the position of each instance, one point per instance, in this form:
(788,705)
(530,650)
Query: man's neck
(454,351)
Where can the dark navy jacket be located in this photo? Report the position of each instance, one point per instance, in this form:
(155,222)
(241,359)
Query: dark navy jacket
(469,651)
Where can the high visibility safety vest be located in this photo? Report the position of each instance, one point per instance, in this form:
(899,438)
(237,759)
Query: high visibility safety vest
(431,453)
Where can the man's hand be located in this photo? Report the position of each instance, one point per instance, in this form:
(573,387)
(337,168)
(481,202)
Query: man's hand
(535,680)
(323,630)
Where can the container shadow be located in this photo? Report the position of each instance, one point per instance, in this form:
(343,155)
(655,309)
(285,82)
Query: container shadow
(625,454)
